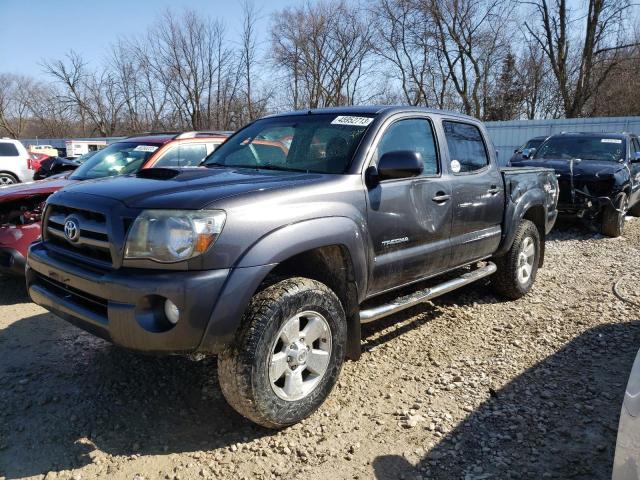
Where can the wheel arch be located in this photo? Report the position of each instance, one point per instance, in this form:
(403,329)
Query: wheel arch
(330,250)
(531,206)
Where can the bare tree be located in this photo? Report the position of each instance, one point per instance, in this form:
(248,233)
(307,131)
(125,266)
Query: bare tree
(15,91)
(92,93)
(580,63)
(471,38)
(323,49)
(404,38)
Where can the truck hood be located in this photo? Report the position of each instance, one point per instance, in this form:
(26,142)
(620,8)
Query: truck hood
(192,188)
(31,189)
(594,169)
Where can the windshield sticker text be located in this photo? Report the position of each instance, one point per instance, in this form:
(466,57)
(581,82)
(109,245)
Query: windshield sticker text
(611,140)
(353,121)
(145,148)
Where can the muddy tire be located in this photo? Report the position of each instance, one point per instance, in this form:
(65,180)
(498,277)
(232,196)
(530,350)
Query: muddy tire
(517,269)
(613,219)
(287,355)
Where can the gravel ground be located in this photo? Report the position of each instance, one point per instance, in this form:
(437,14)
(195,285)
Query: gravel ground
(468,387)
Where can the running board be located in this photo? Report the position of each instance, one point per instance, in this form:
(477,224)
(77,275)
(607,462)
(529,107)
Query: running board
(425,295)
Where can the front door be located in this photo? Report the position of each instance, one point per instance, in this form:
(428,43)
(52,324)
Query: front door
(478,194)
(409,219)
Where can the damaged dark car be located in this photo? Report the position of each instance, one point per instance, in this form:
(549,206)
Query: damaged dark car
(598,175)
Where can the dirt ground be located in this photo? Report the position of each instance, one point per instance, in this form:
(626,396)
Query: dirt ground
(469,387)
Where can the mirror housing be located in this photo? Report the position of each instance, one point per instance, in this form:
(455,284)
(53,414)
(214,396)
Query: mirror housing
(399,164)
(528,153)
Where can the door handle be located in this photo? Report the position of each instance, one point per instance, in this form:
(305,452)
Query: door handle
(441,197)
(493,190)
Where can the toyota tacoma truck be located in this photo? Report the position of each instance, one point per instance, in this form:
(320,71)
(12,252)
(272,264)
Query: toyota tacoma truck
(598,174)
(299,229)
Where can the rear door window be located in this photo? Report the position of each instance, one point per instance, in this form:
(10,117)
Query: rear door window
(8,150)
(465,146)
(189,155)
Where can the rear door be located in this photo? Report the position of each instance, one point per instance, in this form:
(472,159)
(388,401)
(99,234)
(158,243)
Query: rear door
(478,193)
(409,219)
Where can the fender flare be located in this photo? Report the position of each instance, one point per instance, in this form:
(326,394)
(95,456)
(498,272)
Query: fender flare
(516,211)
(277,246)
(264,255)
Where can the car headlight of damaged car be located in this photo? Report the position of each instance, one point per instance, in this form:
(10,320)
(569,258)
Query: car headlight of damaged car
(169,236)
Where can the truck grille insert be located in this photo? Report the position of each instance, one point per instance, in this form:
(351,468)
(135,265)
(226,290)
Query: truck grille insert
(88,240)
(96,304)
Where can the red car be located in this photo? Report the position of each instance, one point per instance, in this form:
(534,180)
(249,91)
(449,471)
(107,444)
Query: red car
(21,205)
(35,160)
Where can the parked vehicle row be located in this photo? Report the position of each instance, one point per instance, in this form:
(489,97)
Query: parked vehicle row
(598,174)
(21,206)
(295,232)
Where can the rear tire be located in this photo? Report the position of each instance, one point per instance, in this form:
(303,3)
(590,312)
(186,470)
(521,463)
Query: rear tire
(517,269)
(287,355)
(613,219)
(7,179)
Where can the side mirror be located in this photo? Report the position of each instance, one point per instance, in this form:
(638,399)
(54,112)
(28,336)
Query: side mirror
(528,153)
(400,164)
(635,158)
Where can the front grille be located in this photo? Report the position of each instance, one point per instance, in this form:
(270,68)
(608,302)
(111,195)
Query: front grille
(92,241)
(96,304)
(596,188)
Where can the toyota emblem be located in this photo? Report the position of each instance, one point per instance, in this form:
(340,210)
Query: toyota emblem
(72,229)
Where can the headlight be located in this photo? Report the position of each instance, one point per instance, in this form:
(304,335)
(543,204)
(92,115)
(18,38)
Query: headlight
(169,236)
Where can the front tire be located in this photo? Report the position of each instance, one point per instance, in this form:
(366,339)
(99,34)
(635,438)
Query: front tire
(517,269)
(613,219)
(288,353)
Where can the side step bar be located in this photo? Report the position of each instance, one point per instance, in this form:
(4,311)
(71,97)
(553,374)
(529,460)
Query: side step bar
(425,295)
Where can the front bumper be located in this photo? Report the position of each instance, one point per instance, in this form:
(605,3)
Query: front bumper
(14,243)
(126,306)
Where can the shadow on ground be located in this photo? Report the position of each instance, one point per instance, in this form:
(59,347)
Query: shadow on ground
(12,290)
(64,393)
(558,419)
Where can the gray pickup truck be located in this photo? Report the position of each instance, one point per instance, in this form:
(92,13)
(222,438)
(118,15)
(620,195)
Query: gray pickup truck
(274,254)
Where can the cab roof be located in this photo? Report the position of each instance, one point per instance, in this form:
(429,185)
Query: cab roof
(372,110)
(160,138)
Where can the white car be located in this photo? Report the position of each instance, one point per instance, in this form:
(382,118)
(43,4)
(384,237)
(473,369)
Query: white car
(14,162)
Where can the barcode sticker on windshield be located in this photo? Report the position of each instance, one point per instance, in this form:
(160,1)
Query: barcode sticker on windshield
(353,121)
(611,140)
(145,148)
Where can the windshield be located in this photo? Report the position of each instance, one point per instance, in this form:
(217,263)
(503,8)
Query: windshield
(585,148)
(533,143)
(322,143)
(117,159)
(85,157)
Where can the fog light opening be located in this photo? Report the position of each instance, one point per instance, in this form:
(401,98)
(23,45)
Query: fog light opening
(171,311)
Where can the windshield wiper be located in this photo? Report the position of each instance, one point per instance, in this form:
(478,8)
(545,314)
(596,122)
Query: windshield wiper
(268,166)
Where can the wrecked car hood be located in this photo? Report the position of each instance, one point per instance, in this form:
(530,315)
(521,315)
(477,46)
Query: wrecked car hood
(595,169)
(30,189)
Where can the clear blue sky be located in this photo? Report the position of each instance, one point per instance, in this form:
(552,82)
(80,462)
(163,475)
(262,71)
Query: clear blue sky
(33,30)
